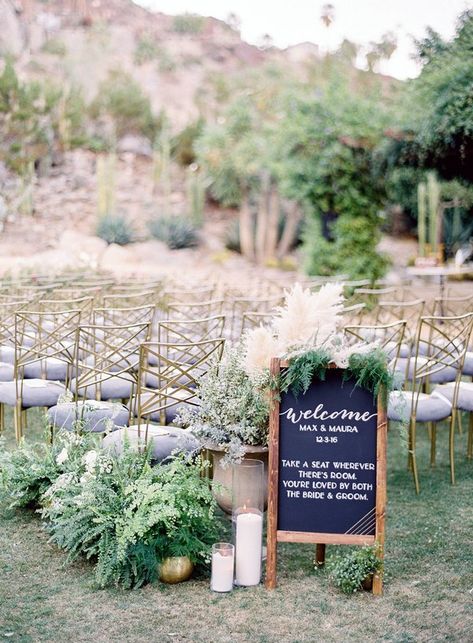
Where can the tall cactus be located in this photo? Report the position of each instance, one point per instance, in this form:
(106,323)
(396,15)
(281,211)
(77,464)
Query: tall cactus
(106,184)
(162,165)
(421,218)
(195,195)
(433,200)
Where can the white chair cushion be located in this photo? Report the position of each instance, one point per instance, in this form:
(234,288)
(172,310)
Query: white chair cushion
(6,372)
(430,408)
(93,414)
(113,388)
(165,440)
(465,395)
(468,365)
(35,393)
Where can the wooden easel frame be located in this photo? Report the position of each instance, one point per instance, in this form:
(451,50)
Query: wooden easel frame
(274,535)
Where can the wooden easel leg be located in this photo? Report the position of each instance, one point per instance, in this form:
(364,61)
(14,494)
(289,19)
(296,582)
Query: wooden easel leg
(320,555)
(378,584)
(2,418)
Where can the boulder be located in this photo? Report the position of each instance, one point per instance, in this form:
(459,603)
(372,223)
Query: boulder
(82,245)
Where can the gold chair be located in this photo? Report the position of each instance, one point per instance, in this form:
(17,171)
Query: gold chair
(389,337)
(352,315)
(439,354)
(129,300)
(107,365)
(181,367)
(242,305)
(45,345)
(252,320)
(124,316)
(195,295)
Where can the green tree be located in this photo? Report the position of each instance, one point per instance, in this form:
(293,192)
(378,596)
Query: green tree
(121,99)
(443,96)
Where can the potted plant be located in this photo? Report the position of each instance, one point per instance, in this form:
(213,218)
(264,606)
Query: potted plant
(231,420)
(354,570)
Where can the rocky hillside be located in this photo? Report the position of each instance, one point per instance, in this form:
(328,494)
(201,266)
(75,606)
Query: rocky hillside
(177,61)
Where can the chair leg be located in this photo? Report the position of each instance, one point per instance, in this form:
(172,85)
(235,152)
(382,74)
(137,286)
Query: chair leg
(469,451)
(413,454)
(452,447)
(433,443)
(17,416)
(460,426)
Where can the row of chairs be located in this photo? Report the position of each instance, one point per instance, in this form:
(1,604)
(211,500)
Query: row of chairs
(434,372)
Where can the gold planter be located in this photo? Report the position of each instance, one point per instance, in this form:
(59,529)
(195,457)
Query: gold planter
(175,569)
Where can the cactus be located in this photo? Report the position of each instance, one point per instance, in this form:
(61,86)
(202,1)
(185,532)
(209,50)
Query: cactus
(26,187)
(106,184)
(433,201)
(421,218)
(162,166)
(195,195)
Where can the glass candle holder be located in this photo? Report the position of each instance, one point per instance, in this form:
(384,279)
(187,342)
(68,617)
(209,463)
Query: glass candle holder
(223,557)
(247,517)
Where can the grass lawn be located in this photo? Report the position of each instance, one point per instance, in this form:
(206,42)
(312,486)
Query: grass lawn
(428,591)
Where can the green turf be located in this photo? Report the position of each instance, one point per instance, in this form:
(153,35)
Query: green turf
(428,591)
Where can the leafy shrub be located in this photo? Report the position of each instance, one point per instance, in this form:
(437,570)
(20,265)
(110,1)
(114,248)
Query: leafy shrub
(189,23)
(27,472)
(348,571)
(176,232)
(120,511)
(55,47)
(182,145)
(114,229)
(30,111)
(121,98)
(166,63)
(145,50)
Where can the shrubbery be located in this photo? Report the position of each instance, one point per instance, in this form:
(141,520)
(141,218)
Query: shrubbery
(176,232)
(189,23)
(121,98)
(121,512)
(114,229)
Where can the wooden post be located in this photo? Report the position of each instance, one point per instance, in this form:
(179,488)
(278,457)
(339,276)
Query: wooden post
(273,475)
(381,440)
(320,554)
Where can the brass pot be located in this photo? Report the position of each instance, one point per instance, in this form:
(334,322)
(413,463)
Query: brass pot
(175,569)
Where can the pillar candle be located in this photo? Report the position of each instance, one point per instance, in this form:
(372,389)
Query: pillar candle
(222,572)
(248,543)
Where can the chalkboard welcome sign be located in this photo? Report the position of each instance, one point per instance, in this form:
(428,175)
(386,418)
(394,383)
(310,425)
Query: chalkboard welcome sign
(327,468)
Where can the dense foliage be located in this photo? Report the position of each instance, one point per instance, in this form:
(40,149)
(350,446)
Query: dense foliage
(348,571)
(121,512)
(233,410)
(36,119)
(121,99)
(443,94)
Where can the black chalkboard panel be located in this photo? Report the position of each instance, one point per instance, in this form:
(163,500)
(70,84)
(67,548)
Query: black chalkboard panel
(327,459)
